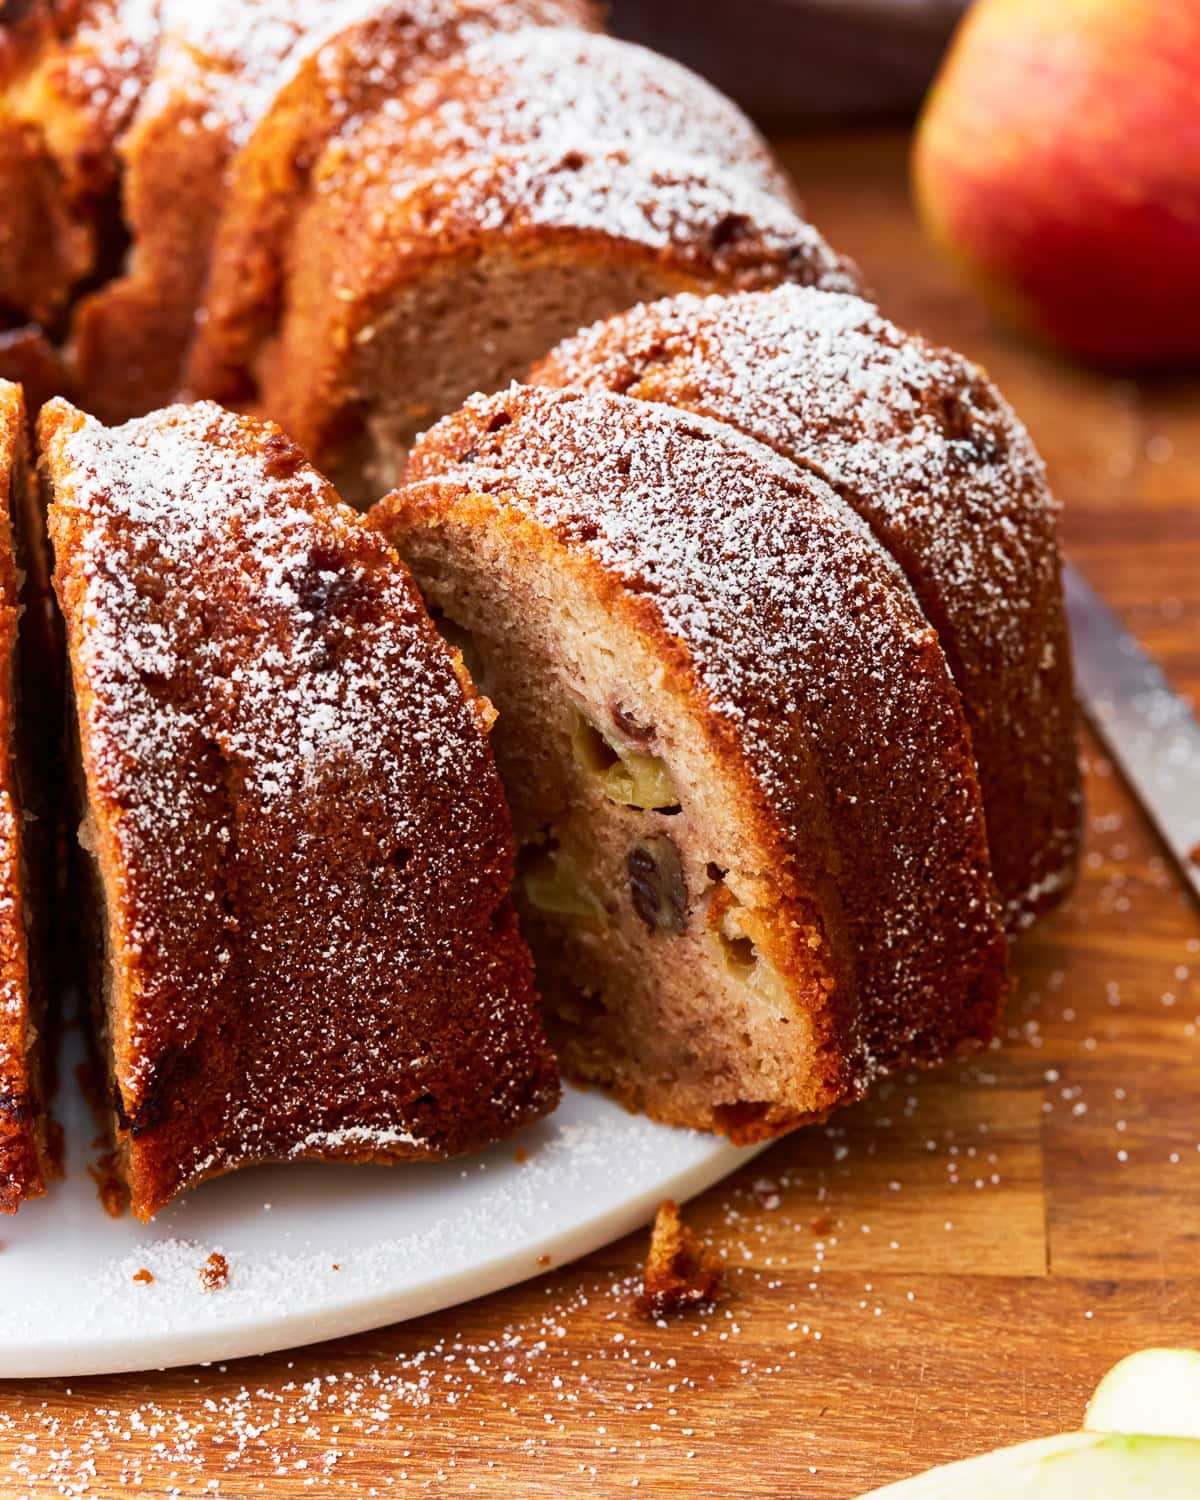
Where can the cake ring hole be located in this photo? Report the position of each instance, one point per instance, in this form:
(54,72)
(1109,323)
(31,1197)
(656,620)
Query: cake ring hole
(627,777)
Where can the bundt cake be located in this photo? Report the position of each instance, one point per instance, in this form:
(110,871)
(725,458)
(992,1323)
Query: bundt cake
(299,858)
(28,1152)
(752,858)
(766,592)
(926,451)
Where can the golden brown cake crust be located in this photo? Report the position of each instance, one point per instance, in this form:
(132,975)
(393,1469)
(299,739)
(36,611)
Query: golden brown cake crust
(556,88)
(376,51)
(796,637)
(249,660)
(927,452)
(684,224)
(23,1164)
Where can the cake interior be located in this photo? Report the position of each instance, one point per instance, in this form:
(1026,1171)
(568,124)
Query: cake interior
(469,325)
(659,952)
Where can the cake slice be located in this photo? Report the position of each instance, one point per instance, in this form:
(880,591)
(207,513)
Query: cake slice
(368,59)
(297,850)
(924,448)
(752,860)
(407,293)
(28,1148)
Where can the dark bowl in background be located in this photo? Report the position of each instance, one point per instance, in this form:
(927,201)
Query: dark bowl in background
(802,61)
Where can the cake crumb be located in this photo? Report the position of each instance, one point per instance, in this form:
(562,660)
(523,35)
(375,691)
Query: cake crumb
(680,1271)
(544,1260)
(822,1223)
(214,1273)
(110,1189)
(144,1276)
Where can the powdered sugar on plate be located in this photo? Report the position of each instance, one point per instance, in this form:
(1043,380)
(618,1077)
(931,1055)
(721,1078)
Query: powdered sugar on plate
(316,1252)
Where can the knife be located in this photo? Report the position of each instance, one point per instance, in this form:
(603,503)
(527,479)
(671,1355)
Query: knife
(1149,730)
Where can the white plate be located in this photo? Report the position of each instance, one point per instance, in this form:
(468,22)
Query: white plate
(408,1240)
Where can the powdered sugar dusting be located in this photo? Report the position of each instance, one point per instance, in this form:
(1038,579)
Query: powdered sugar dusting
(557,88)
(714,220)
(935,461)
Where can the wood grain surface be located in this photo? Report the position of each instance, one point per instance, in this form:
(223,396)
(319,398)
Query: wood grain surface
(947,1268)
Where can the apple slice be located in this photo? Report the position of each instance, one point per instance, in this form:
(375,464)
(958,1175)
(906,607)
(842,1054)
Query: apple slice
(1071,1466)
(1153,1391)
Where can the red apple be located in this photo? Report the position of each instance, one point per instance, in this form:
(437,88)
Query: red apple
(1058,160)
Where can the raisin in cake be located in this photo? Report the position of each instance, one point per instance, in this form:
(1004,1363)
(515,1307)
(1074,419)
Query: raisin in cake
(298,853)
(923,447)
(753,865)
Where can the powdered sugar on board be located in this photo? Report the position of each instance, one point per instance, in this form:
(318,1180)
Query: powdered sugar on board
(316,1252)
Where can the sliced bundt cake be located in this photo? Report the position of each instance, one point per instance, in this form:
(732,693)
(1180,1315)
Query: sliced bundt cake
(412,293)
(299,857)
(926,451)
(28,1151)
(752,860)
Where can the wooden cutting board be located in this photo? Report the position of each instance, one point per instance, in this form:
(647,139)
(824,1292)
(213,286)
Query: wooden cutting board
(950,1267)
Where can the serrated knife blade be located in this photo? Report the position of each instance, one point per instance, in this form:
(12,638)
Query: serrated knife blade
(1148,729)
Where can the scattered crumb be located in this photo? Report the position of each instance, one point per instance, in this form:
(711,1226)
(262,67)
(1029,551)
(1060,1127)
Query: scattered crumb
(214,1273)
(822,1223)
(143,1276)
(111,1191)
(336,1266)
(520,1156)
(544,1260)
(680,1271)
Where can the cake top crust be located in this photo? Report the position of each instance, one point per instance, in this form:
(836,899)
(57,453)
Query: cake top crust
(812,664)
(709,220)
(555,87)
